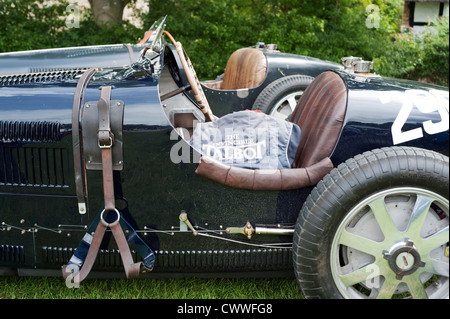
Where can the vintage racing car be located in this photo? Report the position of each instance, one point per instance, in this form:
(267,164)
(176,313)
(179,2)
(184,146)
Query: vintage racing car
(259,77)
(100,175)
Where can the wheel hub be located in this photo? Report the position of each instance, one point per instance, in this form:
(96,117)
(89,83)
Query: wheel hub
(403,258)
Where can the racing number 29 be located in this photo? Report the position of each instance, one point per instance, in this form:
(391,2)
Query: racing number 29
(426,102)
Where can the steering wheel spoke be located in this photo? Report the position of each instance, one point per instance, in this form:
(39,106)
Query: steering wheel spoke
(197,89)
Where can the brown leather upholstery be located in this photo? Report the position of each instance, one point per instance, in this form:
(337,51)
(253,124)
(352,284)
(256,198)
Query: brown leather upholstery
(246,68)
(263,179)
(320,115)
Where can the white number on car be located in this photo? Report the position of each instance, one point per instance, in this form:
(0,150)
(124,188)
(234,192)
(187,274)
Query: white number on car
(426,102)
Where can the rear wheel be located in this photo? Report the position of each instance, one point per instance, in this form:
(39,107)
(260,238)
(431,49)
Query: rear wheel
(377,227)
(280,97)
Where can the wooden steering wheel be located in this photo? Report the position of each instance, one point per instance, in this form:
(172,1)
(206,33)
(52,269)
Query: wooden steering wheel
(196,87)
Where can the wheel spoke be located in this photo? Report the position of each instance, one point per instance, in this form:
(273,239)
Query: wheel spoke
(356,276)
(432,242)
(279,111)
(369,274)
(419,214)
(292,102)
(360,243)
(416,288)
(389,286)
(435,266)
(383,218)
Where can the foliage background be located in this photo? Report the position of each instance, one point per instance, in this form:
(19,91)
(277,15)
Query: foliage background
(211,30)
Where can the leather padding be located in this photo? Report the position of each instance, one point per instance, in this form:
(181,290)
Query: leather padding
(246,68)
(263,179)
(320,114)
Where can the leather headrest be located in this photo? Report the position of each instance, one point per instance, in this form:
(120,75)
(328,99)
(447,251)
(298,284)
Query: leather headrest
(246,68)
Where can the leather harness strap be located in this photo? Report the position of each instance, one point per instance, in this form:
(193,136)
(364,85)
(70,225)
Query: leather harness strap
(105,142)
(132,269)
(83,259)
(87,252)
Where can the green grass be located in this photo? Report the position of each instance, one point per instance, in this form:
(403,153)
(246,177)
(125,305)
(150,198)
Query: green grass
(189,288)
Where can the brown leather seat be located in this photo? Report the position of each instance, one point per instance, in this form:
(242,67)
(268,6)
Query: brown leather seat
(246,68)
(320,114)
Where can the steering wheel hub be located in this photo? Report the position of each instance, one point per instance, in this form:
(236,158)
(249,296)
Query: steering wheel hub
(403,258)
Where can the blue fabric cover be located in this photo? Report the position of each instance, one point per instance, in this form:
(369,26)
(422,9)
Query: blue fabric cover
(248,139)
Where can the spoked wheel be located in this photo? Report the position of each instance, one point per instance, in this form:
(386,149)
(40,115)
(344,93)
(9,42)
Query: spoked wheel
(377,227)
(393,242)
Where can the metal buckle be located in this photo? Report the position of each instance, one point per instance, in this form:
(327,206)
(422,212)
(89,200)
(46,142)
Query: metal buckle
(106,145)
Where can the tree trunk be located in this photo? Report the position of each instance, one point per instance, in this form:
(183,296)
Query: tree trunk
(108,12)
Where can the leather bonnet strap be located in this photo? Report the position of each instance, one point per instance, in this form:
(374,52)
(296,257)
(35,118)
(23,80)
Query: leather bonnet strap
(105,142)
(78,160)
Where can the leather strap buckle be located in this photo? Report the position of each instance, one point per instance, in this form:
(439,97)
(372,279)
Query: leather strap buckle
(105,144)
(105,136)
